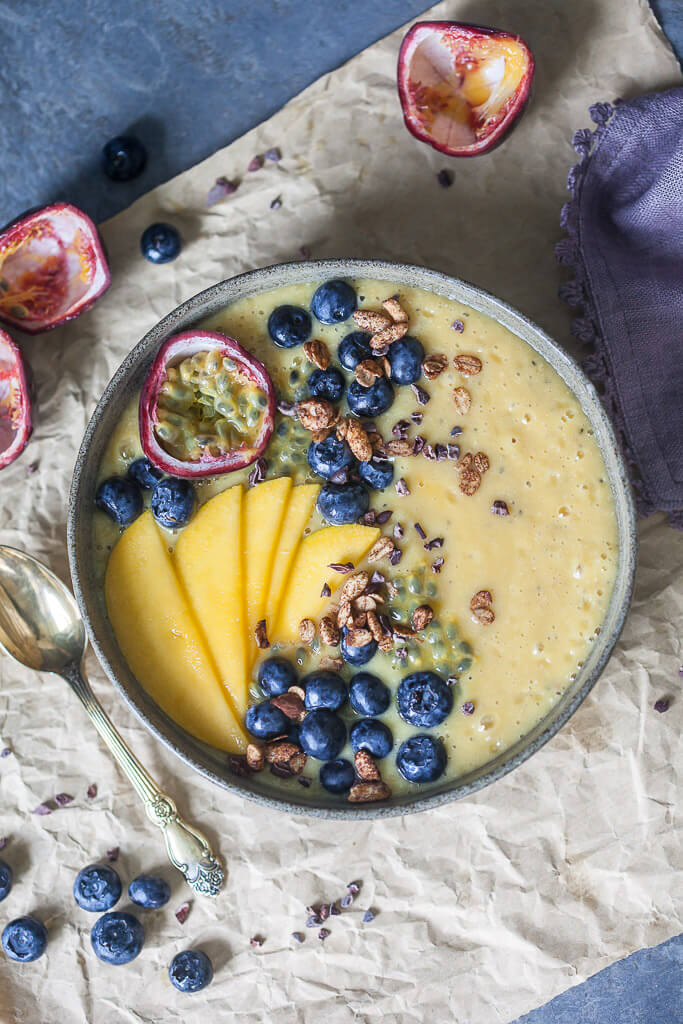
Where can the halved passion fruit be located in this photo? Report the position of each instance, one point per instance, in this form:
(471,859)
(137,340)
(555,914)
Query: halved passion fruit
(207,406)
(462,87)
(15,402)
(52,268)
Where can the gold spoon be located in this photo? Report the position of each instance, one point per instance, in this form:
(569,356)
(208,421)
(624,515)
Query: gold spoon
(41,628)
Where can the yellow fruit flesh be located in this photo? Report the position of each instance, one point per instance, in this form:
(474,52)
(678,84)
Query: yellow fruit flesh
(208,559)
(297,514)
(160,640)
(264,510)
(311,571)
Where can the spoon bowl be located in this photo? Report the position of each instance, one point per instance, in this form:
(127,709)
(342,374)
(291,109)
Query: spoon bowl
(40,624)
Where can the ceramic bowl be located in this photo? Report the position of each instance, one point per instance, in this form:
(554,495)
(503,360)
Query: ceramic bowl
(212,763)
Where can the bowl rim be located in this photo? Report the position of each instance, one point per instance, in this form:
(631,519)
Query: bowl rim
(209,301)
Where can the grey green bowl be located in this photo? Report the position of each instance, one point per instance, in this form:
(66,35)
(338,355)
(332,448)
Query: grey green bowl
(212,763)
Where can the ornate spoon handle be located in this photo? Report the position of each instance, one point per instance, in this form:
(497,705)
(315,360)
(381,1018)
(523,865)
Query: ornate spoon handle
(188,850)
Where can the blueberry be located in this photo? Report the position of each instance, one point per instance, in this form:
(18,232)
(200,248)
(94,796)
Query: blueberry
(405,356)
(424,699)
(120,499)
(337,776)
(327,384)
(123,158)
(422,758)
(150,891)
(276,675)
(117,938)
(377,474)
(173,502)
(354,348)
(289,326)
(323,734)
(144,474)
(265,721)
(370,401)
(324,689)
(190,971)
(24,939)
(329,456)
(160,243)
(333,302)
(371,735)
(343,503)
(97,888)
(368,694)
(356,655)
(6,878)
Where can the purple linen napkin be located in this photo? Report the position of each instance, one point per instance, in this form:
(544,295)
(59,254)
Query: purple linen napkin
(625,245)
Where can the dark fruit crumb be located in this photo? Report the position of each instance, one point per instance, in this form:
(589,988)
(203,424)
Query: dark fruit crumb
(499,508)
(323,933)
(273,155)
(220,190)
(92,791)
(255,164)
(182,913)
(662,705)
(368,916)
(255,941)
(298,937)
(420,531)
(445,178)
(467,708)
(458,326)
(62,799)
(276,203)
(113,854)
(43,809)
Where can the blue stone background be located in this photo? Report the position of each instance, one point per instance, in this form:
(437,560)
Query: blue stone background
(188,78)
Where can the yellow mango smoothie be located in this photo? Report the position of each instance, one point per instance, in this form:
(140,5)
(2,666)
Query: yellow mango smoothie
(404,580)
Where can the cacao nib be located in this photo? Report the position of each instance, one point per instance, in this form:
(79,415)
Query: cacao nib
(499,508)
(313,921)
(342,567)
(182,913)
(276,203)
(324,911)
(334,910)
(62,799)
(436,542)
(255,164)
(421,395)
(395,556)
(445,178)
(458,326)
(441,452)
(663,704)
(377,577)
(453,451)
(402,488)
(220,190)
(467,708)
(256,941)
(43,809)
(420,531)
(418,444)
(368,916)
(113,854)
(258,473)
(92,791)
(298,937)
(273,155)
(353,888)
(346,901)
(325,592)
(370,517)
(437,565)
(398,531)
(456,431)
(428,452)
(384,516)
(400,429)
(323,933)
(417,417)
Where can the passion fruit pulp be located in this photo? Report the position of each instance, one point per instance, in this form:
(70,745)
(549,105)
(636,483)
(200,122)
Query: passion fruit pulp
(52,268)
(15,402)
(462,87)
(207,406)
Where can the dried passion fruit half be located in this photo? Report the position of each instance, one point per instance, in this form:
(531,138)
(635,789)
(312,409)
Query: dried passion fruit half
(52,268)
(207,406)
(15,402)
(462,87)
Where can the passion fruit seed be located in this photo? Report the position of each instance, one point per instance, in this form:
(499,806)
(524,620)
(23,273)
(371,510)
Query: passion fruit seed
(205,404)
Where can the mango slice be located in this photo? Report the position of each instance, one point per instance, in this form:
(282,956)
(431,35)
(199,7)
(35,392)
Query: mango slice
(160,640)
(301,502)
(208,559)
(311,571)
(263,513)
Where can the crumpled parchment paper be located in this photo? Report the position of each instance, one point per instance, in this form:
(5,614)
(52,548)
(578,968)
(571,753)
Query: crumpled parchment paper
(485,908)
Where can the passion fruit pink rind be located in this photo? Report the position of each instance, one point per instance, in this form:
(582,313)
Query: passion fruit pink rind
(15,402)
(174,351)
(52,268)
(462,87)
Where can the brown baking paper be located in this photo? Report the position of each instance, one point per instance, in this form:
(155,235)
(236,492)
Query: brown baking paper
(484,908)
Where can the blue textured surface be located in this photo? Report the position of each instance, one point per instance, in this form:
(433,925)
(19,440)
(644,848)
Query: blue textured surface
(189,78)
